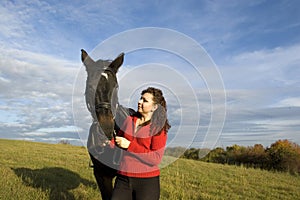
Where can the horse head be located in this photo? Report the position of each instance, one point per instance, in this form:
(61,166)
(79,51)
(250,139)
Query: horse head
(101,90)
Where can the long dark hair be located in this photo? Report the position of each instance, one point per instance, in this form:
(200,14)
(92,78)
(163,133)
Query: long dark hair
(159,120)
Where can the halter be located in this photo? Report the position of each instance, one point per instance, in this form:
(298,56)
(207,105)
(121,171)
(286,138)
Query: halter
(105,105)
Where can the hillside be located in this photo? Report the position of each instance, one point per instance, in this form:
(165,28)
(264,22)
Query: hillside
(32,170)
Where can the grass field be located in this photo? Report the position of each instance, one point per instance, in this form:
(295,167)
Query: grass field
(32,170)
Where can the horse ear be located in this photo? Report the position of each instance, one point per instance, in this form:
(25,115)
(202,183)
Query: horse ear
(85,58)
(116,63)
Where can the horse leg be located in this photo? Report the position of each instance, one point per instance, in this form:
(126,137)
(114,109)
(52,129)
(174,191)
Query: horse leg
(104,176)
(104,184)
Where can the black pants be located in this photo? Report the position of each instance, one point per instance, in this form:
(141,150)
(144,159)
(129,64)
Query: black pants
(129,188)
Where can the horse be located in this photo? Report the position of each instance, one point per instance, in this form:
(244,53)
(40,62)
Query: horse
(101,95)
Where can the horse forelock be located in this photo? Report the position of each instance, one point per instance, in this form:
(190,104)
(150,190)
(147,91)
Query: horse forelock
(104,75)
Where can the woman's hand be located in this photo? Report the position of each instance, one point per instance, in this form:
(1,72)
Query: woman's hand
(122,142)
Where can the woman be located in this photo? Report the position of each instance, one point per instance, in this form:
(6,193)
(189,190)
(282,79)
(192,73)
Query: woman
(143,137)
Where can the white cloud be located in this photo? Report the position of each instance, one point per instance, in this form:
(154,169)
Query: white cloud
(58,129)
(4,80)
(38,91)
(34,75)
(34,134)
(12,22)
(289,102)
(273,68)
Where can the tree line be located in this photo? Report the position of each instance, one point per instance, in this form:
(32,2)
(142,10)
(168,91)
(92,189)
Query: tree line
(283,155)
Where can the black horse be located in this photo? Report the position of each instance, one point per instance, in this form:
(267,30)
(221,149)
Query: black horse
(102,101)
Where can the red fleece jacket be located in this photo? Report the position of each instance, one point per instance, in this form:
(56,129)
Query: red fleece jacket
(145,151)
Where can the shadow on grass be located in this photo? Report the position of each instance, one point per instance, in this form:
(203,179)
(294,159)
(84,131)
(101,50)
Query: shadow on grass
(58,181)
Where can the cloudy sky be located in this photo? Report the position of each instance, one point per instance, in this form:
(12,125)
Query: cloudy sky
(230,72)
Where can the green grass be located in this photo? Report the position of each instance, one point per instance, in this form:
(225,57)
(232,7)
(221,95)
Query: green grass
(32,170)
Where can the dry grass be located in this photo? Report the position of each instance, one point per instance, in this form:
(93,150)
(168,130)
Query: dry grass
(45,171)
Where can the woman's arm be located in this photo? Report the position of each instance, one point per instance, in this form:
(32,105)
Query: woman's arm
(152,155)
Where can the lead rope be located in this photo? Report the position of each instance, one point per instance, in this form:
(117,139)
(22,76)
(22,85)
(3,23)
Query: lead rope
(117,153)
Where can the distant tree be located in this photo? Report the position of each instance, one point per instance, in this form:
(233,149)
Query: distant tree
(257,156)
(192,153)
(64,142)
(175,151)
(235,154)
(284,156)
(217,155)
(203,152)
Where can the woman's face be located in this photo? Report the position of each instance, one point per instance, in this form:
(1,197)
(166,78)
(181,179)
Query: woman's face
(146,104)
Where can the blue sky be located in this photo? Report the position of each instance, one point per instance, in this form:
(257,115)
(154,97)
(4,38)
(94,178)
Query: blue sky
(254,45)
